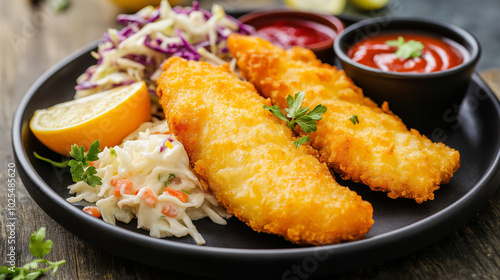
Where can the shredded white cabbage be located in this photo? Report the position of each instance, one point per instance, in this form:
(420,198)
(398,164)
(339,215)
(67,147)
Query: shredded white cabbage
(147,162)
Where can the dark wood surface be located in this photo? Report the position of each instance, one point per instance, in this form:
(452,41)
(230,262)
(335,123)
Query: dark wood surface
(33,39)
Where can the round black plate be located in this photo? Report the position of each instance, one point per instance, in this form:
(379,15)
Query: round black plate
(235,251)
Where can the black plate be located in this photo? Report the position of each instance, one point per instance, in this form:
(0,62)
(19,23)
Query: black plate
(235,251)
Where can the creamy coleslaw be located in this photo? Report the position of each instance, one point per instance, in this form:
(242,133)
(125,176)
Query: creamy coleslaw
(148,178)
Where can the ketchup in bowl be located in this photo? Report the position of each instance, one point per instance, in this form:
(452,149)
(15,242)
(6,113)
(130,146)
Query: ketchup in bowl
(438,54)
(287,33)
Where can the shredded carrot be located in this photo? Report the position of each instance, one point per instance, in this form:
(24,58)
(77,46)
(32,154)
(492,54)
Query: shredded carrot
(122,186)
(169,210)
(180,195)
(92,210)
(149,196)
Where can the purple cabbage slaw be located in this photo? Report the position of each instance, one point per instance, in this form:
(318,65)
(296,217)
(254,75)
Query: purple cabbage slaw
(137,51)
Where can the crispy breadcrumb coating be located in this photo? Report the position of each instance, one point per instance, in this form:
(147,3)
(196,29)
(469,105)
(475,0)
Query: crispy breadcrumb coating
(246,157)
(379,151)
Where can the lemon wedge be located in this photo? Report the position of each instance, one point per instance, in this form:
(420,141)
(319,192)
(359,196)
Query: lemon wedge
(325,6)
(108,116)
(369,4)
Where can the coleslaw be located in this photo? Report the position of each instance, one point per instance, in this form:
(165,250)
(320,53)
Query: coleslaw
(136,52)
(148,179)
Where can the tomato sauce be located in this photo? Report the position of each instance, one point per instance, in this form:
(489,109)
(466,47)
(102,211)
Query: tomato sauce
(288,33)
(437,54)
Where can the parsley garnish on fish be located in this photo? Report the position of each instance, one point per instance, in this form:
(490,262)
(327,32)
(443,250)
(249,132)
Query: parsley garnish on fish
(80,169)
(406,49)
(297,115)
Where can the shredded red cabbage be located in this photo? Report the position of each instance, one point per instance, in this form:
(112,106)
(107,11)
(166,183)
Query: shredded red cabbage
(133,23)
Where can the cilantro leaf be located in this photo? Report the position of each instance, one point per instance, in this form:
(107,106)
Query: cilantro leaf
(406,49)
(297,115)
(301,141)
(80,169)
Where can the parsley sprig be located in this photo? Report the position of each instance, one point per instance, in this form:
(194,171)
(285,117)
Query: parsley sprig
(62,164)
(80,169)
(80,164)
(38,248)
(297,115)
(406,49)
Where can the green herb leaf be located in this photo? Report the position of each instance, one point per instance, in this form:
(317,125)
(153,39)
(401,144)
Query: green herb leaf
(93,151)
(301,141)
(354,119)
(169,179)
(38,247)
(61,164)
(317,111)
(409,49)
(297,115)
(276,111)
(396,43)
(76,170)
(90,178)
(112,152)
(294,104)
(33,275)
(80,169)
(30,271)
(307,124)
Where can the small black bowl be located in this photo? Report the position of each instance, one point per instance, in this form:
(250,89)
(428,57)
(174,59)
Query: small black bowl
(424,101)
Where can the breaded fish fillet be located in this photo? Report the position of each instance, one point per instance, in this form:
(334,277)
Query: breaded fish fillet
(378,151)
(246,157)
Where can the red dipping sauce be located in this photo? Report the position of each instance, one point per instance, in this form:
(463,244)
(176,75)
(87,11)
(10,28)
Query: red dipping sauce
(288,33)
(438,54)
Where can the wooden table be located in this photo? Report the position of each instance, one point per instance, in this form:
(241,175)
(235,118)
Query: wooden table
(34,39)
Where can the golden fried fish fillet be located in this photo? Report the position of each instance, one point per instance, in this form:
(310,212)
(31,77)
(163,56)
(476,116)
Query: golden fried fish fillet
(246,157)
(378,151)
